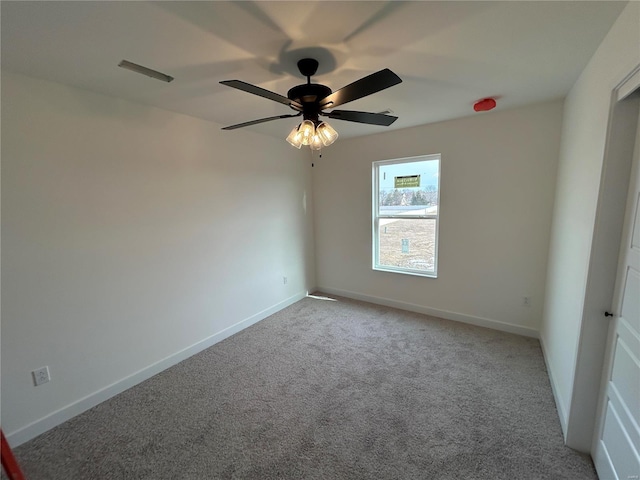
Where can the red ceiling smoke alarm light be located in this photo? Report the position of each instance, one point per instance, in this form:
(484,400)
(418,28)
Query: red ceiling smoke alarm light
(485,105)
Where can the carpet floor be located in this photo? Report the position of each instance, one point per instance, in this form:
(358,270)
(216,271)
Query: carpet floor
(328,390)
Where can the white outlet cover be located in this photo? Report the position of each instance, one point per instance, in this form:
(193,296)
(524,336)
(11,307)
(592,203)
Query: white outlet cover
(40,376)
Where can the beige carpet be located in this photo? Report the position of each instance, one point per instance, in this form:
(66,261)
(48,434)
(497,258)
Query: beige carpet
(328,390)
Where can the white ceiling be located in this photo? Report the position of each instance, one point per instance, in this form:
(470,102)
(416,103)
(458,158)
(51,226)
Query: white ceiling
(449,54)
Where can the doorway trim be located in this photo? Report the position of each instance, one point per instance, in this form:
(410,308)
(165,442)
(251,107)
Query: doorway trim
(603,262)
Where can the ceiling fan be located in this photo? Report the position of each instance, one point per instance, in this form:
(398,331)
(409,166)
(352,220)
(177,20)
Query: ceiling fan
(312,99)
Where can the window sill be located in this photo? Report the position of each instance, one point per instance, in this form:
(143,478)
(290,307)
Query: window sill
(406,271)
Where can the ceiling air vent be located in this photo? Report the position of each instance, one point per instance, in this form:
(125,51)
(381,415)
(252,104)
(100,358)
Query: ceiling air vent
(145,71)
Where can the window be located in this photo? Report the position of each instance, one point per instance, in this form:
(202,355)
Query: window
(406,194)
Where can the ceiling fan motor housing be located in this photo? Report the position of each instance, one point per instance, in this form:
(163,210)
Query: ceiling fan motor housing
(309,96)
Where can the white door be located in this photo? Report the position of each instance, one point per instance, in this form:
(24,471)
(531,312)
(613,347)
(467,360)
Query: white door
(617,445)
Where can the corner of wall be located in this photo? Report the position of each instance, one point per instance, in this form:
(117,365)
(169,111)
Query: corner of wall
(562,414)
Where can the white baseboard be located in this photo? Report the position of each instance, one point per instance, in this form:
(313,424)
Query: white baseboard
(458,317)
(562,414)
(46,423)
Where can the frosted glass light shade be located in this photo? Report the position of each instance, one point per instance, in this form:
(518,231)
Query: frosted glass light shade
(308,129)
(326,133)
(295,137)
(316,142)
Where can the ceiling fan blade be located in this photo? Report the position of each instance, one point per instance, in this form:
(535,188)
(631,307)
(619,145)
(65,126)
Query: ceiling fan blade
(362,117)
(261,92)
(261,120)
(361,88)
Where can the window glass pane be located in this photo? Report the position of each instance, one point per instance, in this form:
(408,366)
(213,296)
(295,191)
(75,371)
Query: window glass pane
(407,243)
(408,188)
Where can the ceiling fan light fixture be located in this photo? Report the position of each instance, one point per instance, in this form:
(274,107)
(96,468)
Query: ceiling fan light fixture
(308,130)
(307,133)
(327,133)
(295,137)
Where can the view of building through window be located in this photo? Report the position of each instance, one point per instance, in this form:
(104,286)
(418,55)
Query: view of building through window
(405,220)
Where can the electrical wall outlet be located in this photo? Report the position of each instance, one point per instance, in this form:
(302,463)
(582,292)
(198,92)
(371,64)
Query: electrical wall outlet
(40,376)
(284,280)
(526,301)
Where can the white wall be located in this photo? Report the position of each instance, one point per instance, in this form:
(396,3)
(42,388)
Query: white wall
(130,234)
(497,182)
(566,324)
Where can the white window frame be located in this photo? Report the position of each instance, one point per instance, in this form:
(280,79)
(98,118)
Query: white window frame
(376,216)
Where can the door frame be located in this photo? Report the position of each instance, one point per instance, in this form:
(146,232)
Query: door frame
(625,105)
(603,262)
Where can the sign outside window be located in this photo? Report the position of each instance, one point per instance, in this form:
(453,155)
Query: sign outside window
(407,181)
